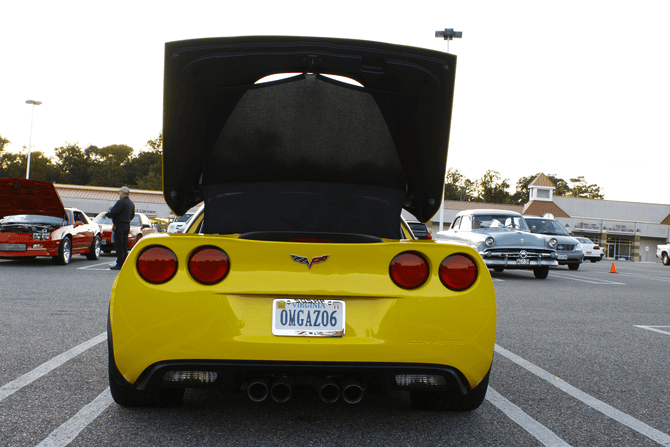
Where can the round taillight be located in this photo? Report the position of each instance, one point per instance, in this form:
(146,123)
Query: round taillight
(458,272)
(157,264)
(409,270)
(208,265)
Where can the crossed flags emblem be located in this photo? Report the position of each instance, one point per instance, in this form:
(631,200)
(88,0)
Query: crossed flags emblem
(309,262)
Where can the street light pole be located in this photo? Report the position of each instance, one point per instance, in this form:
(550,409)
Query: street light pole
(448,34)
(30,142)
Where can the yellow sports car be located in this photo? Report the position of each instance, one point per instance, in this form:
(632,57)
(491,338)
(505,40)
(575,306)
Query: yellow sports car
(299,272)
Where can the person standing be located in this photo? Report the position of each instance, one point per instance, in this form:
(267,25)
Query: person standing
(121,214)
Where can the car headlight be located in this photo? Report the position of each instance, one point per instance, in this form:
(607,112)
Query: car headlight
(490,241)
(553,242)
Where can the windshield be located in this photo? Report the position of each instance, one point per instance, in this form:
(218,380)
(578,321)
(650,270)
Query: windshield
(102,219)
(547,226)
(183,218)
(489,221)
(33,219)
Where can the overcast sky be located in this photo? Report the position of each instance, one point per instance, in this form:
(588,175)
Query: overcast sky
(567,88)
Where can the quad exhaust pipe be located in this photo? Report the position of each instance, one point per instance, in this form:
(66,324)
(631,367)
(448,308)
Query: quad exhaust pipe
(328,390)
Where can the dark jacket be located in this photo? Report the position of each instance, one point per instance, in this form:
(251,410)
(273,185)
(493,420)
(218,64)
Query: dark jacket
(123,211)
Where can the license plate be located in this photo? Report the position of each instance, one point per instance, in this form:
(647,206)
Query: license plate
(562,257)
(523,261)
(104,242)
(308,318)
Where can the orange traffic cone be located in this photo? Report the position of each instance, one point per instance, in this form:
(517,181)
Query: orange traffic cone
(613,269)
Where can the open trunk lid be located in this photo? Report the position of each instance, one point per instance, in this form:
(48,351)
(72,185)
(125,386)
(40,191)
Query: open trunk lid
(307,153)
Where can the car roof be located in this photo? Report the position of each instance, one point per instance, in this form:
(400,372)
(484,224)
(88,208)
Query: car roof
(221,130)
(489,211)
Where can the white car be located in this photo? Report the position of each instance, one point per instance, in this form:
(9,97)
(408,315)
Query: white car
(503,240)
(177,225)
(592,252)
(663,252)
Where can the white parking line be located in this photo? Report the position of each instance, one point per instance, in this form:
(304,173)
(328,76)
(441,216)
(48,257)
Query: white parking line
(64,434)
(607,410)
(637,275)
(103,266)
(47,367)
(653,328)
(539,431)
(589,280)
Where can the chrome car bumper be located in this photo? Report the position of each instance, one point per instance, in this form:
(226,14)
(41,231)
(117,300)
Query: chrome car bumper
(519,259)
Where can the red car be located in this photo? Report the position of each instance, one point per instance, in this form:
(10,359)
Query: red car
(140,226)
(35,223)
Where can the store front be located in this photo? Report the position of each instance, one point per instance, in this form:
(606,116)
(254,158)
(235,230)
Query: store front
(619,248)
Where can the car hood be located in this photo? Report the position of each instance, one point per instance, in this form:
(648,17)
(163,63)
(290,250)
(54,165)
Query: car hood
(513,238)
(22,196)
(226,136)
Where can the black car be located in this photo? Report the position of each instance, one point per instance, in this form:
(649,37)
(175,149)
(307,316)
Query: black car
(420,230)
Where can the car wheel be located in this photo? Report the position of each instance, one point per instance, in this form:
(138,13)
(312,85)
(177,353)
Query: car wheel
(95,249)
(666,259)
(498,269)
(64,252)
(574,266)
(593,260)
(451,400)
(541,272)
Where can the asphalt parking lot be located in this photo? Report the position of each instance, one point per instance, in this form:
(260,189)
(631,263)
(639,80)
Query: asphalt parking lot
(581,360)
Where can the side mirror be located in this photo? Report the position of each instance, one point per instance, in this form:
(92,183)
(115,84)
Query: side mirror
(146,226)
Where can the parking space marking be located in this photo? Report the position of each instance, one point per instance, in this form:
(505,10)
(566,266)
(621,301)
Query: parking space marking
(103,266)
(598,405)
(589,280)
(69,430)
(653,328)
(637,275)
(537,430)
(47,367)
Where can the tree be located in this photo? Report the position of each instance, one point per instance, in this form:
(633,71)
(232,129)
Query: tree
(106,164)
(3,142)
(493,188)
(576,188)
(156,145)
(582,189)
(42,168)
(146,170)
(12,165)
(458,187)
(72,164)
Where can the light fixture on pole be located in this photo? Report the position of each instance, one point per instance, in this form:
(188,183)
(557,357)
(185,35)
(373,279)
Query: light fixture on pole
(30,142)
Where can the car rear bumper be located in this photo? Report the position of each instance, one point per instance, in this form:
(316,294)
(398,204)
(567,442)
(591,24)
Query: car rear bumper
(233,375)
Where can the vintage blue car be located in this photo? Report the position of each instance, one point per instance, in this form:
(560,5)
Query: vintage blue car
(503,240)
